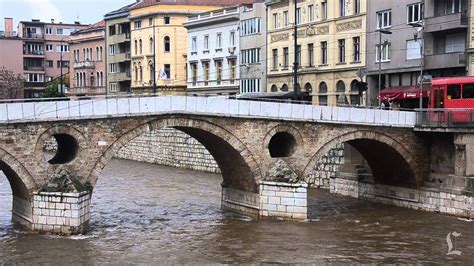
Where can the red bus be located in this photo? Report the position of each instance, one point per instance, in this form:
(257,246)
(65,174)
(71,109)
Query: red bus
(452,100)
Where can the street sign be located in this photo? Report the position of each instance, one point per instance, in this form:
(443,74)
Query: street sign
(361,72)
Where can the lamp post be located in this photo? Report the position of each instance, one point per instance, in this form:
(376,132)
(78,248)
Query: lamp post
(381,31)
(419,29)
(295,63)
(61,88)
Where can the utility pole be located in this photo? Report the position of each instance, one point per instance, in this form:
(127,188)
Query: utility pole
(154,58)
(295,63)
(381,31)
(61,92)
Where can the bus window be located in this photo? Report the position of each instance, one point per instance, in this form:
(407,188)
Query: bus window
(454,92)
(438,99)
(468,91)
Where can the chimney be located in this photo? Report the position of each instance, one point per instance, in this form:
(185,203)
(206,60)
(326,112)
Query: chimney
(8,27)
(52,20)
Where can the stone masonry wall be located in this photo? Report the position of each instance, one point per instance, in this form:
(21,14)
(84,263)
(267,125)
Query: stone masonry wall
(326,167)
(284,200)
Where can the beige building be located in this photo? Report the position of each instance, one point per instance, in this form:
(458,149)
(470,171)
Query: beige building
(159,43)
(87,70)
(331,48)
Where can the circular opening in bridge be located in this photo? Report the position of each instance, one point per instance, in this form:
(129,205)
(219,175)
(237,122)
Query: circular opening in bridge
(61,149)
(282,144)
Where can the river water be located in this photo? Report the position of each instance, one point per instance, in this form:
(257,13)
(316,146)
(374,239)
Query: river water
(145,213)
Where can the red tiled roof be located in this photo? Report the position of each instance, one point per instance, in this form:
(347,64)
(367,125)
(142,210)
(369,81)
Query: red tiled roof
(223,3)
(96,26)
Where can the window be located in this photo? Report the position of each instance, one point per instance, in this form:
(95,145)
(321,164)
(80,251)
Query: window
(298,55)
(136,47)
(298,16)
(468,91)
(275,58)
(137,24)
(64,64)
(413,50)
(415,13)
(454,92)
(113,87)
(310,13)
(206,42)
(384,19)
(59,31)
(152,46)
(49,47)
(324,53)
(232,39)
(166,20)
(310,55)
(48,31)
(285,57)
(206,73)
(167,44)
(252,26)
(251,56)
(342,51)
(455,43)
(356,6)
(112,49)
(452,6)
(323,88)
(194,44)
(342,8)
(97,55)
(140,45)
(219,72)
(324,10)
(249,85)
(32,77)
(356,43)
(49,63)
(113,68)
(275,21)
(219,40)
(168,71)
(62,48)
(285,19)
(141,73)
(194,73)
(232,70)
(112,30)
(385,52)
(150,22)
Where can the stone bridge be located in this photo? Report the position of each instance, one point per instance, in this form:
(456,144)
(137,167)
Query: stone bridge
(249,141)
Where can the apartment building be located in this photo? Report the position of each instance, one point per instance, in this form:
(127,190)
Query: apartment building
(87,70)
(429,34)
(159,43)
(117,31)
(330,40)
(11,49)
(45,52)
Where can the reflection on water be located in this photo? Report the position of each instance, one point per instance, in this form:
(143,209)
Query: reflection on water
(146,213)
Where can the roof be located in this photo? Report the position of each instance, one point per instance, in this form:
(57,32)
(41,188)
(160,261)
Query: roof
(94,27)
(146,3)
(452,80)
(121,11)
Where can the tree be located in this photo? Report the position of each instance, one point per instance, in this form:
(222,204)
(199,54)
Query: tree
(12,85)
(52,90)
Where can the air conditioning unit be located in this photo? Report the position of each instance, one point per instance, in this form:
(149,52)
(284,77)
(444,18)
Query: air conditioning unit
(231,50)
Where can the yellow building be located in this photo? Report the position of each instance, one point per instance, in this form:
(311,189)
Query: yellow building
(157,34)
(331,45)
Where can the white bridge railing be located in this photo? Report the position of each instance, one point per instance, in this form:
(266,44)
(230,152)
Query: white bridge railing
(13,112)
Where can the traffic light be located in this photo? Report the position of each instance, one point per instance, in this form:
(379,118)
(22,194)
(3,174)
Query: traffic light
(362,86)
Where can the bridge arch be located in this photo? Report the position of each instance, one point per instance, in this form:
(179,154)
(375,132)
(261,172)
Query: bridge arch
(237,164)
(21,181)
(391,163)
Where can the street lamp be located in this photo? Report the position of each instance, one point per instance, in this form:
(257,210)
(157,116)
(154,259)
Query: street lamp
(419,29)
(381,31)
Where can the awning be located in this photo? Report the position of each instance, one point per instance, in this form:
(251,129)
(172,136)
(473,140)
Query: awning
(404,93)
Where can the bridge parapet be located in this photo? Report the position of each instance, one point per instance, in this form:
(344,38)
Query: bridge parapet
(15,112)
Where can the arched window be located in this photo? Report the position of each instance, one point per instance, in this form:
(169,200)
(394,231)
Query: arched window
(98,79)
(274,88)
(77,79)
(100,52)
(136,47)
(308,88)
(136,73)
(151,45)
(92,78)
(141,46)
(340,86)
(97,54)
(284,87)
(354,86)
(167,44)
(152,73)
(84,52)
(323,89)
(141,73)
(102,78)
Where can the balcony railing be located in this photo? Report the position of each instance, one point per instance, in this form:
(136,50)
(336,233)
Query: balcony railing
(446,22)
(446,60)
(34,35)
(84,64)
(33,52)
(33,68)
(87,90)
(445,118)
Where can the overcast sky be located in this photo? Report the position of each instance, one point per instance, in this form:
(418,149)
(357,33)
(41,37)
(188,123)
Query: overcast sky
(67,11)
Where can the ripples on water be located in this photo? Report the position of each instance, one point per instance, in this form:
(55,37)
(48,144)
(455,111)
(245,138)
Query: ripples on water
(146,213)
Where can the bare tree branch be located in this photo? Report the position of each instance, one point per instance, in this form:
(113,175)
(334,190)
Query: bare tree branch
(11,85)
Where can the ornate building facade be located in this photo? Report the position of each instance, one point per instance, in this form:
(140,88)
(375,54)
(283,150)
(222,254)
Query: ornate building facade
(331,48)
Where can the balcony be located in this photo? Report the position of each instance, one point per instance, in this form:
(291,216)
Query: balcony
(446,22)
(84,64)
(33,68)
(445,60)
(120,76)
(34,36)
(34,53)
(89,90)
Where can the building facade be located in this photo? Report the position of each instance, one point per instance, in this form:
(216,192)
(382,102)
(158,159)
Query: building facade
(330,38)
(87,73)
(117,32)
(213,52)
(431,35)
(11,49)
(45,52)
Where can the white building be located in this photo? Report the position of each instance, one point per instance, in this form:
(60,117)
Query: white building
(213,52)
